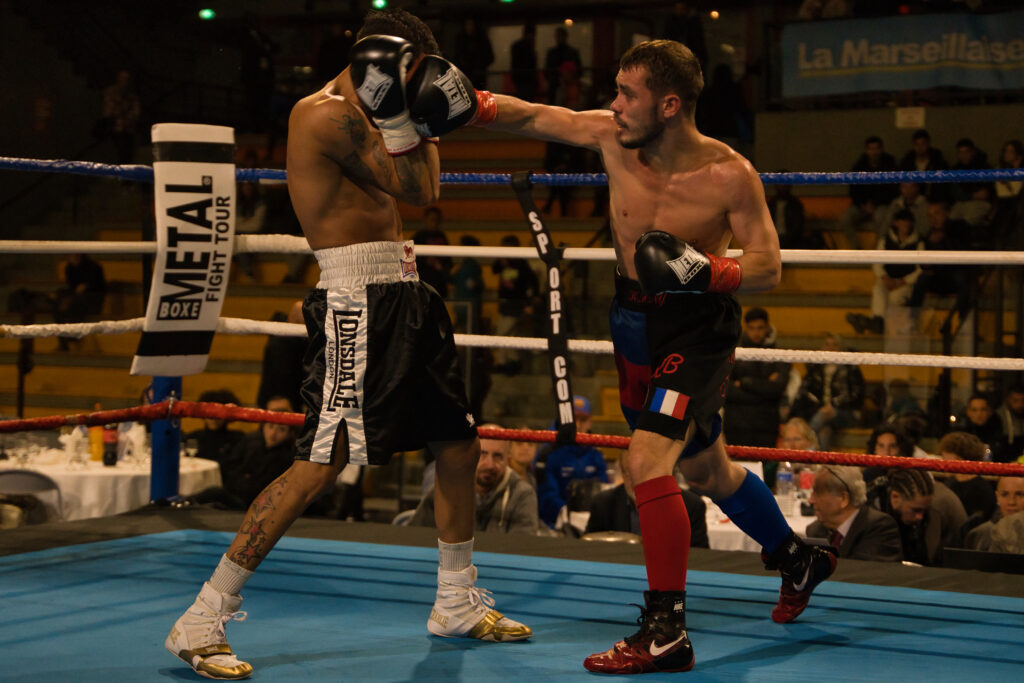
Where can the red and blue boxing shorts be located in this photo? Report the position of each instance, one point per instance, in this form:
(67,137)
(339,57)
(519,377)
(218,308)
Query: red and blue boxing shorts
(674,353)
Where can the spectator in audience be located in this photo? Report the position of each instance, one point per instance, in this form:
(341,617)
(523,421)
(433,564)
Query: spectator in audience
(722,112)
(523,64)
(255,461)
(797,435)
(830,395)
(1009,216)
(974,491)
(215,441)
(901,402)
(520,459)
(1012,415)
(559,158)
(977,211)
(895,281)
(121,110)
(944,234)
(504,502)
(910,198)
(890,440)
(788,214)
(282,370)
(434,270)
(615,509)
(981,421)
(684,26)
(473,52)
(518,292)
(923,157)
(468,282)
(857,530)
(1008,535)
(250,216)
(754,392)
(968,158)
(562,69)
(928,514)
(1009,502)
(869,202)
(565,464)
(914,426)
(84,291)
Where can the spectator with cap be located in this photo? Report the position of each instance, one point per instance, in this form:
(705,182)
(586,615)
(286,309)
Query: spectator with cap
(556,468)
(854,528)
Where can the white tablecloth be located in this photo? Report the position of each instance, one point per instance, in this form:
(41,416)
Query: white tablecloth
(98,491)
(724,535)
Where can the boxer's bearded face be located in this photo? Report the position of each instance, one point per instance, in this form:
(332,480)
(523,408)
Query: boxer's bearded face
(636,110)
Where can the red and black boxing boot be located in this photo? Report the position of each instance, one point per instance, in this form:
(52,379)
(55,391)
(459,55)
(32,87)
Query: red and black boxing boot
(803,567)
(661,644)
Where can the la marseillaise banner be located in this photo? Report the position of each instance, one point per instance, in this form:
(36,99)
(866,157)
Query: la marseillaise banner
(979,51)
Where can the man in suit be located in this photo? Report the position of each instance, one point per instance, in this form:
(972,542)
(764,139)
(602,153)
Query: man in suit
(615,509)
(859,531)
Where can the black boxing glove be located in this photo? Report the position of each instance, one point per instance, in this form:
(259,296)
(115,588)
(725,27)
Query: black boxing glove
(378,66)
(442,98)
(665,263)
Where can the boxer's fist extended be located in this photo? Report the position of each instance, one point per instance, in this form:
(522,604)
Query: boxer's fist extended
(378,70)
(442,98)
(665,263)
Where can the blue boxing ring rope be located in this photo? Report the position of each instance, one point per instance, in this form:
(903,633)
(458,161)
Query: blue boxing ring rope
(144,173)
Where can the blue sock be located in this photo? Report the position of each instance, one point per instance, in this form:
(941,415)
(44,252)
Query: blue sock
(754,510)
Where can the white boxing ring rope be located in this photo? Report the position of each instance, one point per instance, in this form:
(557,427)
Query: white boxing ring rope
(292,244)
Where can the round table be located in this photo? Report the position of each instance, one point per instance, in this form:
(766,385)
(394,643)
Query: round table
(94,490)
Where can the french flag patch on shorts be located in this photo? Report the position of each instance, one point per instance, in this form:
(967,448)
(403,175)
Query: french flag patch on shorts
(668,402)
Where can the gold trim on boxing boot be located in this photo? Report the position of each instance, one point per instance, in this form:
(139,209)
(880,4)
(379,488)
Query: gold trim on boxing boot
(488,629)
(209,670)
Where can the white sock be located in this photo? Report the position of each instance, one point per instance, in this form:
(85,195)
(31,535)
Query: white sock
(228,577)
(455,557)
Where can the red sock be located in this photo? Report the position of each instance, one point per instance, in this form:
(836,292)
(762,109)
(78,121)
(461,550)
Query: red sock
(665,529)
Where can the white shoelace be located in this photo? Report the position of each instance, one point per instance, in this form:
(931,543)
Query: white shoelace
(222,621)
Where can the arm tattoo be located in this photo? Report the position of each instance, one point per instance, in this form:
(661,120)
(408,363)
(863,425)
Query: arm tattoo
(355,128)
(408,176)
(358,168)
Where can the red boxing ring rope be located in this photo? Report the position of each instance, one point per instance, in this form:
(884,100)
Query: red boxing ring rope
(217,411)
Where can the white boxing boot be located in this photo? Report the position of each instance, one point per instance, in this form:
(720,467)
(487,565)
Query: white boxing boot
(197,637)
(463,610)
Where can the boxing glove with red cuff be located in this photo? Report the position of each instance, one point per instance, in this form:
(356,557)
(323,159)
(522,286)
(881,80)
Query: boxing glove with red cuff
(378,68)
(665,263)
(442,98)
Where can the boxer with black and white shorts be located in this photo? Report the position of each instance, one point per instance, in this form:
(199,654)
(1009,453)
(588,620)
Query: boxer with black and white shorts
(381,366)
(382,374)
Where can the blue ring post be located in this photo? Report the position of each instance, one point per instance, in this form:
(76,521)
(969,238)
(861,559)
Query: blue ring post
(163,480)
